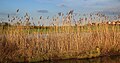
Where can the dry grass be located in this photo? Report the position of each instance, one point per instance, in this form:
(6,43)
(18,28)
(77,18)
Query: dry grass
(70,42)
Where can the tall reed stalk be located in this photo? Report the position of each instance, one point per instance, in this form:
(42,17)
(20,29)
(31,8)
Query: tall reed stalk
(59,42)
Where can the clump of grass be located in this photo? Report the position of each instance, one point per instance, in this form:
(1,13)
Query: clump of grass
(21,44)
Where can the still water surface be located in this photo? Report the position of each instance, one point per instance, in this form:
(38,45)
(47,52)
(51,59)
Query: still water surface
(111,59)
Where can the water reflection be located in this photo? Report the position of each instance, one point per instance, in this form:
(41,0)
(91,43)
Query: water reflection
(111,59)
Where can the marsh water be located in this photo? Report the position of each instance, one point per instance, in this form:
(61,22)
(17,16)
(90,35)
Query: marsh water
(110,59)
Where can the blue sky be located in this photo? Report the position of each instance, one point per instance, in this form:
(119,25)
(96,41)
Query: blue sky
(37,8)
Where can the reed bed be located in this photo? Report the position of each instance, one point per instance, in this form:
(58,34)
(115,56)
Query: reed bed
(58,42)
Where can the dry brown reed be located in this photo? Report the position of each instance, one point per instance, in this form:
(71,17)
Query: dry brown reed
(60,42)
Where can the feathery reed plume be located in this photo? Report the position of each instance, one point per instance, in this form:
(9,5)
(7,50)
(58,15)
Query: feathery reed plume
(60,14)
(40,17)
(8,16)
(70,12)
(17,10)
(48,17)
